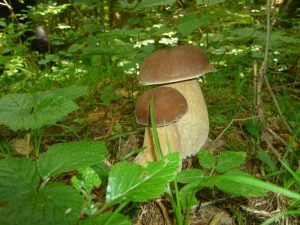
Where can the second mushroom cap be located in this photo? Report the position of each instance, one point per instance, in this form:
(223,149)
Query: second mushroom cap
(169,106)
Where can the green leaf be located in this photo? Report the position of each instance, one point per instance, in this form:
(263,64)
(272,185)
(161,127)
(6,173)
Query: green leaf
(131,182)
(118,219)
(251,181)
(237,188)
(55,204)
(86,2)
(108,96)
(206,159)
(69,92)
(151,3)
(26,111)
(209,2)
(18,176)
(125,5)
(189,23)
(192,21)
(75,47)
(229,160)
(253,128)
(70,156)
(190,175)
(187,196)
(50,109)
(266,159)
(86,180)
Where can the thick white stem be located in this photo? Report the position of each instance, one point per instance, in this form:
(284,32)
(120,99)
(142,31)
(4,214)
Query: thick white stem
(194,125)
(169,141)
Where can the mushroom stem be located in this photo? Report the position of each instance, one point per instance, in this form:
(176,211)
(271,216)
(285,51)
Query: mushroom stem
(169,142)
(194,125)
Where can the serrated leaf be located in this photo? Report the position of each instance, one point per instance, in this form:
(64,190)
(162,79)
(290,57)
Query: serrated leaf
(75,47)
(131,182)
(229,160)
(206,159)
(70,156)
(86,180)
(69,92)
(190,175)
(49,110)
(118,219)
(26,111)
(18,176)
(152,3)
(55,204)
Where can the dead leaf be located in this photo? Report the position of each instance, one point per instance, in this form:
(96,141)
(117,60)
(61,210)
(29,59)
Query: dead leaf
(131,144)
(22,146)
(290,139)
(210,215)
(95,116)
(213,145)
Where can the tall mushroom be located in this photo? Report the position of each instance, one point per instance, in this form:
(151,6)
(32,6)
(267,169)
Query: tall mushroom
(179,68)
(168,106)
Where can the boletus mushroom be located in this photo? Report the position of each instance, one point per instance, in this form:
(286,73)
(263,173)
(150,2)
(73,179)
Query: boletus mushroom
(168,107)
(179,67)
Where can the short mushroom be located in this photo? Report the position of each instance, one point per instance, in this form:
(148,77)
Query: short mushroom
(179,68)
(168,107)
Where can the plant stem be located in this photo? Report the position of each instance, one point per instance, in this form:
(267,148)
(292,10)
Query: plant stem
(120,207)
(155,134)
(175,204)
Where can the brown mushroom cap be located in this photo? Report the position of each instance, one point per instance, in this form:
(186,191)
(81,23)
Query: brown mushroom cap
(169,106)
(174,64)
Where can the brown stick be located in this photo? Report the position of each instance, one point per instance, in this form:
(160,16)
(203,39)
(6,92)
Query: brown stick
(164,212)
(263,67)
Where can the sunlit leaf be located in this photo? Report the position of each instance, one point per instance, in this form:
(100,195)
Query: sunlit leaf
(131,182)
(86,180)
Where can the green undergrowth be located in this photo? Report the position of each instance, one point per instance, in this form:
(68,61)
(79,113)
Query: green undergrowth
(46,101)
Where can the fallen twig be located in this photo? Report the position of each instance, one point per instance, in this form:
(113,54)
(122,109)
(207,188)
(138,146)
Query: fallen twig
(164,212)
